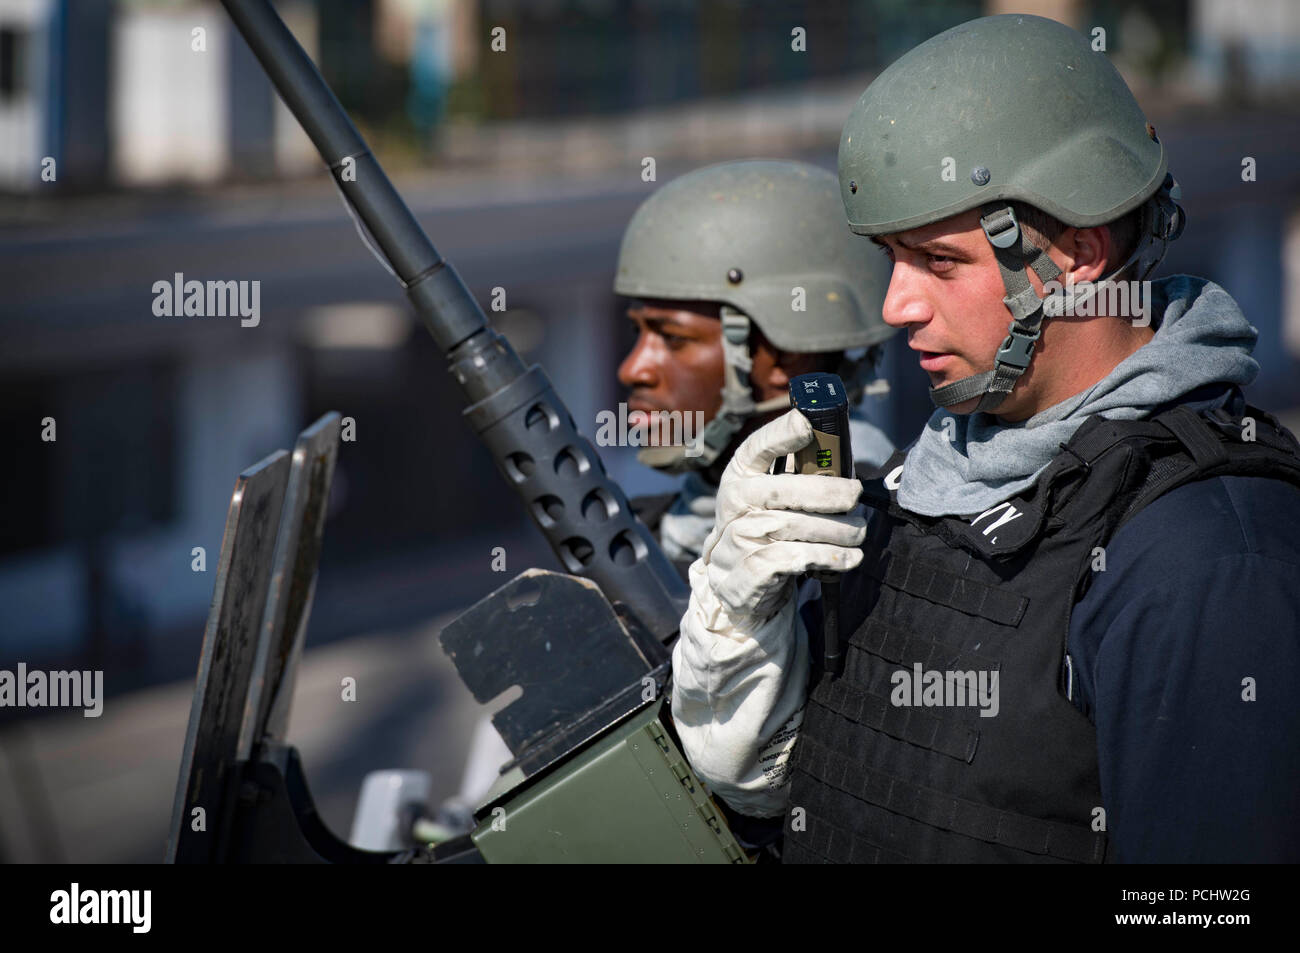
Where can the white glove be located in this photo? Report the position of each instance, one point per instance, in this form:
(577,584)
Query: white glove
(772,528)
(740,667)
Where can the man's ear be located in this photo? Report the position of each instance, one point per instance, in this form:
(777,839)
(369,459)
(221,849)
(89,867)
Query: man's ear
(778,379)
(1088,250)
(768,376)
(774,368)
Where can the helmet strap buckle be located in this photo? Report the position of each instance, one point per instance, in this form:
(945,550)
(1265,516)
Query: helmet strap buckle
(1001,227)
(1018,347)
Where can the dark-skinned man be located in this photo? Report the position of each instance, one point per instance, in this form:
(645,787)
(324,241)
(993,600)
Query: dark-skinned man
(740,276)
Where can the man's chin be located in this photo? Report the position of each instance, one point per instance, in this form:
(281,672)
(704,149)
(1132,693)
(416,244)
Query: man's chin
(939,379)
(965,408)
(1006,410)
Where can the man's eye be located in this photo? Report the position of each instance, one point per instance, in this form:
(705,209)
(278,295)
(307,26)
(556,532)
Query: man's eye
(886,251)
(673,340)
(942,263)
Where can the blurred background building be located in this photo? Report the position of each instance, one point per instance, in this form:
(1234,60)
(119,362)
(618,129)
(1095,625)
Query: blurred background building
(141,140)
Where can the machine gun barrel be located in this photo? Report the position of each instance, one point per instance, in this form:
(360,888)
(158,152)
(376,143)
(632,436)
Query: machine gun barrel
(556,472)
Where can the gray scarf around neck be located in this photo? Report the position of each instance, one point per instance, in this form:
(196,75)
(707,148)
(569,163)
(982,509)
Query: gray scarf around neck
(1201,338)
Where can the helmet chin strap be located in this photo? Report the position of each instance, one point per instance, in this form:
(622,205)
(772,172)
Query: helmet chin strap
(1013,250)
(1163,220)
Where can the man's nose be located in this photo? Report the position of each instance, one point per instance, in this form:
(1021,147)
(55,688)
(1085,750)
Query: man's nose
(641,366)
(905,304)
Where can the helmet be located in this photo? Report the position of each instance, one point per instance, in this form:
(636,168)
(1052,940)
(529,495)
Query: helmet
(748,234)
(1000,109)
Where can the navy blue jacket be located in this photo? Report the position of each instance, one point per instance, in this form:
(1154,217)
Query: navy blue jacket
(1198,610)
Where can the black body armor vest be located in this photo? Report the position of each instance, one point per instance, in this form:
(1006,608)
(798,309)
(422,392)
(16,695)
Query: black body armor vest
(883,774)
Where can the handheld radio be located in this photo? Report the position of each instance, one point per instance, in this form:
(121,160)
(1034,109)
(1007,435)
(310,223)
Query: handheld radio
(823,399)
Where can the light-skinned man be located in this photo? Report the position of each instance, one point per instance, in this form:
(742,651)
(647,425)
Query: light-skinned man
(1070,607)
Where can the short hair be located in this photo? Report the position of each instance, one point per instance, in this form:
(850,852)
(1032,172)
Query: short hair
(1043,229)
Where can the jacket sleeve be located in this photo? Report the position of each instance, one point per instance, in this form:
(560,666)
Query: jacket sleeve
(738,699)
(1186,652)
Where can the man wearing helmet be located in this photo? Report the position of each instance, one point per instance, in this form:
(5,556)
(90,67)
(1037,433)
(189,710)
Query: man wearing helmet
(741,276)
(1068,592)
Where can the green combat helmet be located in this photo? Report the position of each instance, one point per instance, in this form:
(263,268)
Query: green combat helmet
(998,109)
(750,234)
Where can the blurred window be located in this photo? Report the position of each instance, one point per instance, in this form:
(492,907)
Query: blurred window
(111,467)
(13,47)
